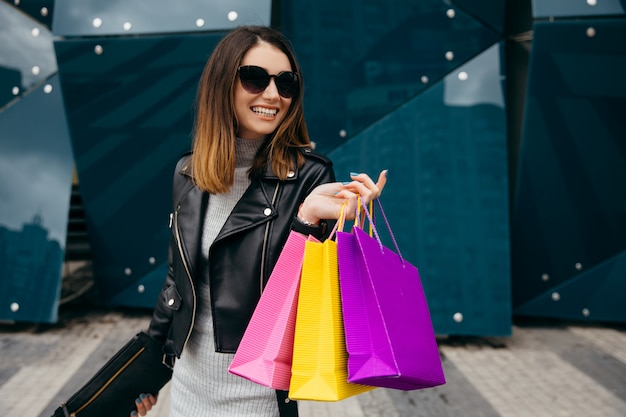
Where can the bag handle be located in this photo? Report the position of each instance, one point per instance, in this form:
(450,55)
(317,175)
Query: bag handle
(339,224)
(373,226)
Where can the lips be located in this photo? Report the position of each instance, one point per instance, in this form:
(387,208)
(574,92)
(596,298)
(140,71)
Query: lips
(264,111)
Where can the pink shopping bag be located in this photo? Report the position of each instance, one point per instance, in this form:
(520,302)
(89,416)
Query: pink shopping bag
(389,334)
(265,352)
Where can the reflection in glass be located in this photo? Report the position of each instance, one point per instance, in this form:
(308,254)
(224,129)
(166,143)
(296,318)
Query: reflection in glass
(26,53)
(99,18)
(36,166)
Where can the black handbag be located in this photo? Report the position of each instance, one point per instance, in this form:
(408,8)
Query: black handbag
(139,367)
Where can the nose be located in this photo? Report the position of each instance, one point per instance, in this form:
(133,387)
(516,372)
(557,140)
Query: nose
(271,91)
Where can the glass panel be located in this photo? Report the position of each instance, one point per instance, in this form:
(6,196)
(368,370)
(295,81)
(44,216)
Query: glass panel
(129,103)
(36,162)
(26,53)
(360,63)
(573,156)
(489,11)
(97,18)
(560,8)
(40,10)
(447,200)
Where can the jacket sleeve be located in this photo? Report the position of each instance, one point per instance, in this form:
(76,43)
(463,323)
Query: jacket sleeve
(162,316)
(324,175)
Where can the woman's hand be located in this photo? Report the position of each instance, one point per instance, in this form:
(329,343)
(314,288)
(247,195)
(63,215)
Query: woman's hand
(326,200)
(144,403)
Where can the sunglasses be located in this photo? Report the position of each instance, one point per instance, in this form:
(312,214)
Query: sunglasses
(255,80)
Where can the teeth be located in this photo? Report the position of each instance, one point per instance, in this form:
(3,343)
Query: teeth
(264,112)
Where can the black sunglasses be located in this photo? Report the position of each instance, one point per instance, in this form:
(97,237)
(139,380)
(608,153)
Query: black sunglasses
(255,80)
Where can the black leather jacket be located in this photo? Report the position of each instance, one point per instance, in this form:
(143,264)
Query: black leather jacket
(241,257)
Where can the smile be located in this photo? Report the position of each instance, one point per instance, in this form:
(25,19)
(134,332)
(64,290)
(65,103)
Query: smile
(262,111)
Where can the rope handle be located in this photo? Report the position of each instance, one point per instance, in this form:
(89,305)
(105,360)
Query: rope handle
(373,226)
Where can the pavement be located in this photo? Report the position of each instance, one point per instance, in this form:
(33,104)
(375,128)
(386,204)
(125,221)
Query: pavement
(545,369)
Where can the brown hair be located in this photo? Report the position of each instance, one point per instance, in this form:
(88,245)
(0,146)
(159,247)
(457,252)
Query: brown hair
(213,159)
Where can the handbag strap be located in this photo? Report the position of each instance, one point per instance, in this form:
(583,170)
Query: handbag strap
(373,227)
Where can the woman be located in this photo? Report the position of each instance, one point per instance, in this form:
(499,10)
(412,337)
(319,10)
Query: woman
(251,178)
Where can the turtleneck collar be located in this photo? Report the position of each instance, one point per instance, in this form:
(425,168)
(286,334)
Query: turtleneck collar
(245,151)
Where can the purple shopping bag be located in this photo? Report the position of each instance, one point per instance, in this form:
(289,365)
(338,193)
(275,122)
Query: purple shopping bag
(265,352)
(389,333)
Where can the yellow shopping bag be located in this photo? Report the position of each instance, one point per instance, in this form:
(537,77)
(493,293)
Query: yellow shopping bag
(319,367)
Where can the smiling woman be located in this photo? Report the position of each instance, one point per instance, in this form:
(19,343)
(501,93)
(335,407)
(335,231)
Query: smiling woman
(250,181)
(260,110)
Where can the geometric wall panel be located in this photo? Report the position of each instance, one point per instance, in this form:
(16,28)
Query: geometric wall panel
(569,214)
(447,196)
(129,109)
(362,62)
(491,12)
(596,294)
(560,8)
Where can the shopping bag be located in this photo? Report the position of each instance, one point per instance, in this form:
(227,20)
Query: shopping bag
(319,369)
(264,354)
(389,333)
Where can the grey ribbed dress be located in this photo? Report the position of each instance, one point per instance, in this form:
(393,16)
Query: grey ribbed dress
(201,384)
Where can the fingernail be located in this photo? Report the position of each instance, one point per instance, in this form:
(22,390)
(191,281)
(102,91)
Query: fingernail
(336,192)
(346,182)
(354,174)
(142,396)
(386,173)
(134,413)
(138,400)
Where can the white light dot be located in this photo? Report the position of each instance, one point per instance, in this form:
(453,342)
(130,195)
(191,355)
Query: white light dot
(47,88)
(97,22)
(450,13)
(592,2)
(127,26)
(151,260)
(586,312)
(44,11)
(463,76)
(36,70)
(232,16)
(15,307)
(128,271)
(200,23)
(16,2)
(424,79)
(556,296)
(449,55)
(15,90)
(457,317)
(141,289)
(545,277)
(591,32)
(578,266)
(98,50)
(35,32)
(343,133)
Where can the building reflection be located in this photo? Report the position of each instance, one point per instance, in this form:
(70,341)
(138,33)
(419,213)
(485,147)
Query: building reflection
(30,264)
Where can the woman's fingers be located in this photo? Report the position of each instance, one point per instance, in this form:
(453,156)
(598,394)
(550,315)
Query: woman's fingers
(326,200)
(144,404)
(363,185)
